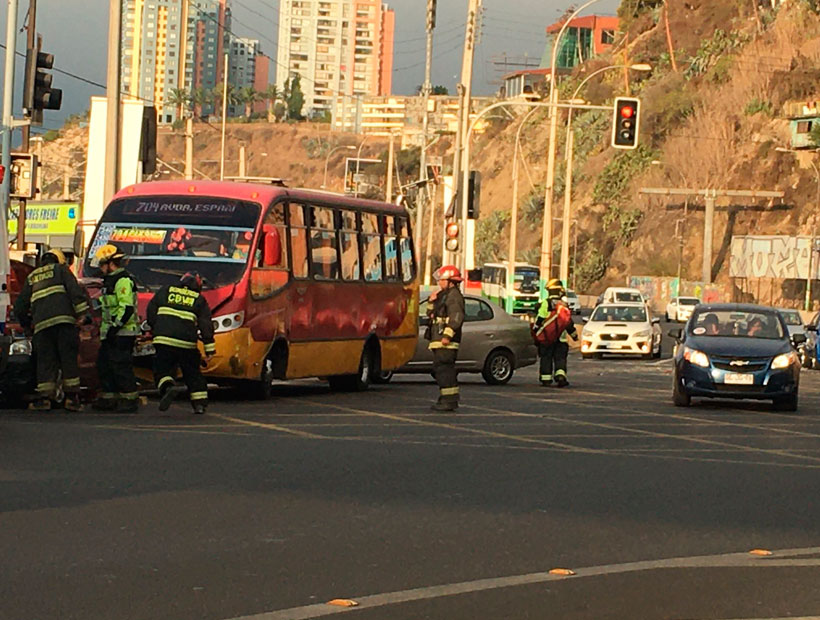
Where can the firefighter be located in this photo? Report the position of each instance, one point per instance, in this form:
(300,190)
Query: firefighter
(179,316)
(552,326)
(445,310)
(118,332)
(53,301)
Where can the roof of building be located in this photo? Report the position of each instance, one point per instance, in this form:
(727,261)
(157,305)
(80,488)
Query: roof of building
(588,21)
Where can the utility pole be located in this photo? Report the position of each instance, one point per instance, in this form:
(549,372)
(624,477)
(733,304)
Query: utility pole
(8,125)
(427,87)
(31,42)
(431,222)
(112,125)
(710,197)
(242,160)
(189,148)
(224,119)
(461,178)
(388,193)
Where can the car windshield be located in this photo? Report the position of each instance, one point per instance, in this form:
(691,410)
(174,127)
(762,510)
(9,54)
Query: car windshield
(791,317)
(628,297)
(688,301)
(736,324)
(526,280)
(619,314)
(165,237)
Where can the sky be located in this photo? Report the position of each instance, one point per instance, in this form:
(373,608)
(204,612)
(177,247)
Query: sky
(75,31)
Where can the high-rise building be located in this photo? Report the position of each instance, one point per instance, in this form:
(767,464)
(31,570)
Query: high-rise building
(172,44)
(338,47)
(242,67)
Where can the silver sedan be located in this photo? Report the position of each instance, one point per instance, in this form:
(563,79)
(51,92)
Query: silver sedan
(492,343)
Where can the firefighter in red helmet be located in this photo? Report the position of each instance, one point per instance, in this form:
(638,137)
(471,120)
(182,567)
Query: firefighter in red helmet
(445,310)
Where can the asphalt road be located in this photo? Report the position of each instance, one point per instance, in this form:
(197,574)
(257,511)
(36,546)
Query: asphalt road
(263,507)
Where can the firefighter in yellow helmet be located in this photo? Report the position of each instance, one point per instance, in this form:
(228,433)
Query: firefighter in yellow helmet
(445,309)
(118,332)
(552,326)
(52,302)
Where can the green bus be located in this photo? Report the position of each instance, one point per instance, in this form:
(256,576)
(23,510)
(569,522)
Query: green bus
(523,298)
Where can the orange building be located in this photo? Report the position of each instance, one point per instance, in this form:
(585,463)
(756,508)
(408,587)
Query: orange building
(584,38)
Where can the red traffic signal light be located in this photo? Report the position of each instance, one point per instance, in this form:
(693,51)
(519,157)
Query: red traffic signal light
(626,122)
(451,232)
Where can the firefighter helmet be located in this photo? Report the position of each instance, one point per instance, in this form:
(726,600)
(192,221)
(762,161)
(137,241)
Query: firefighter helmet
(448,272)
(192,280)
(54,256)
(555,289)
(107,253)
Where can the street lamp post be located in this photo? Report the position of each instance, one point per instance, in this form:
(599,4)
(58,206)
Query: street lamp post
(568,156)
(807,304)
(348,147)
(358,159)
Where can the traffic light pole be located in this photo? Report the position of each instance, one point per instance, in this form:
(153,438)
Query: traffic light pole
(31,43)
(5,160)
(424,190)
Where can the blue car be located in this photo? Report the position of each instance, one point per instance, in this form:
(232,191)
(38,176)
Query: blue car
(736,351)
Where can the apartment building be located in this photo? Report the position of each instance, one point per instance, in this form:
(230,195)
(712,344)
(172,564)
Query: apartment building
(248,68)
(338,47)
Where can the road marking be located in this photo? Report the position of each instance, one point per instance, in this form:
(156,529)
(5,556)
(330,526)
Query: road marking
(271,427)
(728,560)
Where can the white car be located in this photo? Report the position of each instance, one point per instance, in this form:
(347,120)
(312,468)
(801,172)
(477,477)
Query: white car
(622,329)
(616,295)
(573,303)
(680,308)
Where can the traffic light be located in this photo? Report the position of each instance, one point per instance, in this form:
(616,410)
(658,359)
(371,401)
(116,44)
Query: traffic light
(473,195)
(23,176)
(431,15)
(38,95)
(626,123)
(451,233)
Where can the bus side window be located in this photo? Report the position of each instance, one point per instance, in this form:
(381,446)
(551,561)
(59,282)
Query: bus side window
(408,265)
(324,245)
(298,241)
(371,248)
(271,259)
(349,244)
(391,249)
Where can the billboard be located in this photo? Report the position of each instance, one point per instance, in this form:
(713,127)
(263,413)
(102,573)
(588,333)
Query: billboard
(773,256)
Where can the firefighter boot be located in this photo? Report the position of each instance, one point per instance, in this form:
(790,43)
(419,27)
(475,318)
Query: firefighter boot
(72,403)
(128,405)
(199,408)
(41,404)
(103,403)
(167,394)
(561,381)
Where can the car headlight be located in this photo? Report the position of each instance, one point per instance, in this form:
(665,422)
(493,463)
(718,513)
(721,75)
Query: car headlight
(20,347)
(228,322)
(643,334)
(784,361)
(698,358)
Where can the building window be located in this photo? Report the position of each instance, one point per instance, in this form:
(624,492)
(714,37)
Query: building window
(804,126)
(608,37)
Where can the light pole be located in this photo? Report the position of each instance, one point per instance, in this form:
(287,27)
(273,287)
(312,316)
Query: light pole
(546,232)
(349,147)
(568,156)
(358,158)
(782,149)
(682,235)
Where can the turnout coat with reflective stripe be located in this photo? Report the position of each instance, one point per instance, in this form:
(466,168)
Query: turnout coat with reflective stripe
(446,318)
(51,296)
(179,316)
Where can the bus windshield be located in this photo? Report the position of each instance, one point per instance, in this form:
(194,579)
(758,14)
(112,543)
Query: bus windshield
(165,237)
(526,280)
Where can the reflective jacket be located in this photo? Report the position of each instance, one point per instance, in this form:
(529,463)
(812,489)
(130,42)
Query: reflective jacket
(446,318)
(554,322)
(179,316)
(51,296)
(119,305)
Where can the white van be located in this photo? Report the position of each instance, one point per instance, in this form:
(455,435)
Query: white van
(621,295)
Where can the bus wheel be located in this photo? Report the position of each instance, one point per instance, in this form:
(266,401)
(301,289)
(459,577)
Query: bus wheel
(383,377)
(361,380)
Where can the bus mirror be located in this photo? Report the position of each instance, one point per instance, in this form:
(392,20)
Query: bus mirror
(79,243)
(273,248)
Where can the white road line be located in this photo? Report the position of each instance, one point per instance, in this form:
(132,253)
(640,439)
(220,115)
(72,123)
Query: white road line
(729,560)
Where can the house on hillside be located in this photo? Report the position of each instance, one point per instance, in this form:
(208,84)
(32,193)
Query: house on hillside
(584,38)
(804,116)
(525,83)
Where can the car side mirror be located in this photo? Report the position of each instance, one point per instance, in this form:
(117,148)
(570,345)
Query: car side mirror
(676,333)
(272,247)
(799,339)
(79,243)
(585,319)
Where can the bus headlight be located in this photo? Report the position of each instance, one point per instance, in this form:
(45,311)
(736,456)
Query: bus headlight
(20,347)
(228,322)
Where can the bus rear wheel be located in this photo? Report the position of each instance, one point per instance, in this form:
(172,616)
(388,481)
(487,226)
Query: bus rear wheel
(368,368)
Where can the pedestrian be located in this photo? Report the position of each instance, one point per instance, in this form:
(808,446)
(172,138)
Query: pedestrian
(118,332)
(53,301)
(552,326)
(445,309)
(179,316)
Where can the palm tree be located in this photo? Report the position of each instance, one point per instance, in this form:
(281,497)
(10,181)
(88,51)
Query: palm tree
(199,98)
(271,96)
(248,96)
(217,95)
(179,98)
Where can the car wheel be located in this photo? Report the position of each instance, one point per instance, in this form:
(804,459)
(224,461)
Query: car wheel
(361,380)
(666,316)
(385,376)
(657,354)
(498,367)
(786,403)
(586,356)
(679,396)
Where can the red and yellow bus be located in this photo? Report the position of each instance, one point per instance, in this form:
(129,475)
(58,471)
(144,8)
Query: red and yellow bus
(300,283)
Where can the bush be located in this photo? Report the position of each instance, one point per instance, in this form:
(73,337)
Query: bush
(488,237)
(591,269)
(758,106)
(671,103)
(613,182)
(711,51)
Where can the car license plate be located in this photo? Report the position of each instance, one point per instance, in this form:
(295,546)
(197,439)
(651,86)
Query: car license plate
(738,378)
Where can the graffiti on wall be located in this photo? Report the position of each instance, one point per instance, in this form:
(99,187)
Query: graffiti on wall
(658,290)
(780,257)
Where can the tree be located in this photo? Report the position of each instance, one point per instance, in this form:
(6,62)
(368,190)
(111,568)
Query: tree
(271,96)
(285,96)
(438,89)
(200,98)
(279,111)
(296,100)
(218,96)
(247,96)
(179,98)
